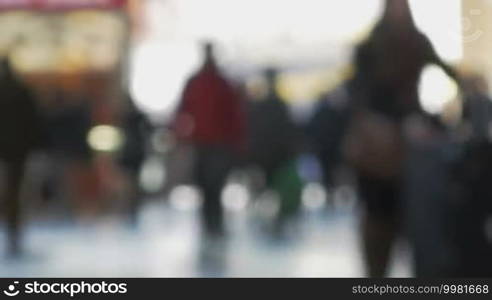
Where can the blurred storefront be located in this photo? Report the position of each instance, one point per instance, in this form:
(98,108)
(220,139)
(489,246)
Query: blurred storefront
(73,53)
(73,46)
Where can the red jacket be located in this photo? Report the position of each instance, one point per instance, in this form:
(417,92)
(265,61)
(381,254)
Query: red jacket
(211,111)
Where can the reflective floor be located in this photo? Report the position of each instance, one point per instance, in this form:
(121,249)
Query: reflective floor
(166,243)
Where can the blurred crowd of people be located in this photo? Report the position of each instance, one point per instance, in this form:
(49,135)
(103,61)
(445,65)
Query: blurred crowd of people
(416,176)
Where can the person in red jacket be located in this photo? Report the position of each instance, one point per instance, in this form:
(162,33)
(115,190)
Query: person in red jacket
(211,118)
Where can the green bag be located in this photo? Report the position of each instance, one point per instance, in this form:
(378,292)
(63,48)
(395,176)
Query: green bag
(288,184)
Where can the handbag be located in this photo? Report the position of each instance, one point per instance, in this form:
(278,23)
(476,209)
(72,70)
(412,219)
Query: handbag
(374,144)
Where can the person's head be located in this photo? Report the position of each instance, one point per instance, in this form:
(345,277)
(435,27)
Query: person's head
(5,68)
(271,75)
(398,13)
(208,51)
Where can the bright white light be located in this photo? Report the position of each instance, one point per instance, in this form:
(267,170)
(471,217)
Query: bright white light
(313,196)
(235,197)
(436,90)
(159,72)
(255,33)
(441,20)
(185,198)
(105,138)
(340,263)
(308,20)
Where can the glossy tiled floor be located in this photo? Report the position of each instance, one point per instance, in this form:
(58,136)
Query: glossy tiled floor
(167,243)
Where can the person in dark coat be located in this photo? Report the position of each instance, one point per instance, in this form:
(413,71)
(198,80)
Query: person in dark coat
(136,128)
(20,134)
(470,176)
(68,122)
(477,108)
(273,145)
(272,132)
(385,92)
(326,129)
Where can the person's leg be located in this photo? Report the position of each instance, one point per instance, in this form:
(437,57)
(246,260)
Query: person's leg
(131,168)
(379,230)
(212,209)
(378,238)
(134,201)
(212,168)
(14,177)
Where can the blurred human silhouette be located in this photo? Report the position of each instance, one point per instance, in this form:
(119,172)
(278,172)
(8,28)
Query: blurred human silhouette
(136,128)
(470,211)
(68,124)
(472,174)
(326,129)
(385,92)
(20,134)
(478,106)
(211,118)
(273,143)
(448,194)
